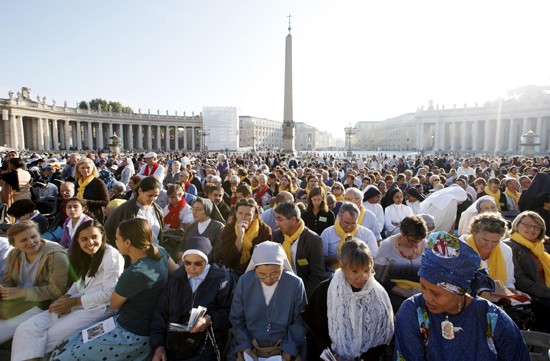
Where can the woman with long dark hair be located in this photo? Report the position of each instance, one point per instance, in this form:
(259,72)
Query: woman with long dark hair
(317,217)
(96,267)
(135,296)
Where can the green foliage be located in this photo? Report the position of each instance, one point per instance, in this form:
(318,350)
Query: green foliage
(104,104)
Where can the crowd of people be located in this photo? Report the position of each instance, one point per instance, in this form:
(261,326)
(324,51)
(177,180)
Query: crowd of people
(108,257)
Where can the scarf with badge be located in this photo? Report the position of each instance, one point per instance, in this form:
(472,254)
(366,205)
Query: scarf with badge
(538,250)
(290,239)
(495,195)
(248,237)
(495,263)
(82,184)
(172,218)
(260,193)
(344,236)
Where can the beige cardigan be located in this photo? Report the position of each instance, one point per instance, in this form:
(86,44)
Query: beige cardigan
(52,274)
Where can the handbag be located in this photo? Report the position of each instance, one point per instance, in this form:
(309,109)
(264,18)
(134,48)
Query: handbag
(266,349)
(185,344)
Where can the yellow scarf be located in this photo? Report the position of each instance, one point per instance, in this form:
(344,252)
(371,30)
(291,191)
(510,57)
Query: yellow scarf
(293,189)
(515,196)
(254,189)
(495,262)
(283,190)
(248,237)
(538,250)
(83,184)
(339,198)
(323,185)
(361,215)
(190,177)
(406,284)
(290,239)
(343,234)
(515,176)
(242,178)
(496,196)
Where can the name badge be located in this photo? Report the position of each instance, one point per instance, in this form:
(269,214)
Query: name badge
(303,262)
(322,219)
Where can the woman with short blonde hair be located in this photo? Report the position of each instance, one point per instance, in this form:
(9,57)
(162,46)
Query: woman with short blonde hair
(90,187)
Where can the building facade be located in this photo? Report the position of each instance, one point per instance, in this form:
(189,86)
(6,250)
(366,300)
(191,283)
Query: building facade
(260,133)
(29,124)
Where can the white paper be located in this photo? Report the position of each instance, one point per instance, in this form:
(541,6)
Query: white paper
(272,358)
(98,330)
(195,314)
(327,355)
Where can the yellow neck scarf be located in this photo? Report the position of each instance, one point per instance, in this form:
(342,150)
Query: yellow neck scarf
(339,198)
(515,196)
(281,189)
(515,176)
(242,178)
(308,189)
(190,177)
(323,185)
(254,189)
(495,262)
(496,196)
(290,239)
(248,237)
(538,250)
(343,234)
(83,184)
(361,215)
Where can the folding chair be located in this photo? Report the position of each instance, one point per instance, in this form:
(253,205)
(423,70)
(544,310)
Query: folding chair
(539,341)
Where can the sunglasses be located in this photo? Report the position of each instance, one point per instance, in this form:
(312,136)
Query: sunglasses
(336,188)
(497,221)
(196,264)
(247,201)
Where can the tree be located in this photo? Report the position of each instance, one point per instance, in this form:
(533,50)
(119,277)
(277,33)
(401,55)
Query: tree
(96,103)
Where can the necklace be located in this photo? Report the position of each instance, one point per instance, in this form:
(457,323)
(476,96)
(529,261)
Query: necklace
(272,309)
(412,256)
(447,327)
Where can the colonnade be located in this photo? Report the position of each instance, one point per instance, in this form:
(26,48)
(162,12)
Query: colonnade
(41,133)
(481,136)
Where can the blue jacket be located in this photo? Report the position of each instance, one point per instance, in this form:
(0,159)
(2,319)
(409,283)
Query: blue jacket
(215,293)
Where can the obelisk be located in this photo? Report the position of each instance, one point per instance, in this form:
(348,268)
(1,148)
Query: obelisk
(288,121)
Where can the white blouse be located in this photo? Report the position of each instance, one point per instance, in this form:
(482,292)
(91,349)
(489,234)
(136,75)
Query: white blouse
(395,214)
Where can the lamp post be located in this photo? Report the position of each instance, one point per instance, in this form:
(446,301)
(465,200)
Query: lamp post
(253,143)
(350,131)
(203,132)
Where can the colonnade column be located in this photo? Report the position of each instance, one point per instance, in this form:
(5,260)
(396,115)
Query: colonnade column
(167,138)
(78,135)
(525,126)
(148,137)
(538,131)
(194,147)
(110,130)
(176,138)
(511,136)
(67,133)
(41,134)
(454,136)
(130,136)
(121,135)
(487,137)
(60,135)
(475,136)
(420,137)
(13,132)
(99,135)
(90,141)
(140,137)
(499,143)
(157,138)
(47,133)
(464,140)
(20,132)
(185,139)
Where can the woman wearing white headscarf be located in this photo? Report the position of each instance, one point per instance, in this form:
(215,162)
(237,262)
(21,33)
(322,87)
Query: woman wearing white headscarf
(371,202)
(395,211)
(484,204)
(266,308)
(351,313)
(442,205)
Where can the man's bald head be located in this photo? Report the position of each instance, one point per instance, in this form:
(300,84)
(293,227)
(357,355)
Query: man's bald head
(283,196)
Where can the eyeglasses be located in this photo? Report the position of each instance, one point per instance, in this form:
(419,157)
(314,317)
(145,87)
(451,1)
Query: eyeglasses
(196,264)
(531,226)
(262,278)
(358,276)
(247,201)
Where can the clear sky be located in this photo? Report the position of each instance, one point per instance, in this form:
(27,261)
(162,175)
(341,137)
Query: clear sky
(353,60)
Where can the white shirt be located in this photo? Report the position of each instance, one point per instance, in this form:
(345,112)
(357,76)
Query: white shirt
(150,215)
(95,293)
(465,171)
(371,223)
(293,250)
(203,225)
(159,172)
(395,214)
(70,228)
(378,212)
(415,206)
(185,216)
